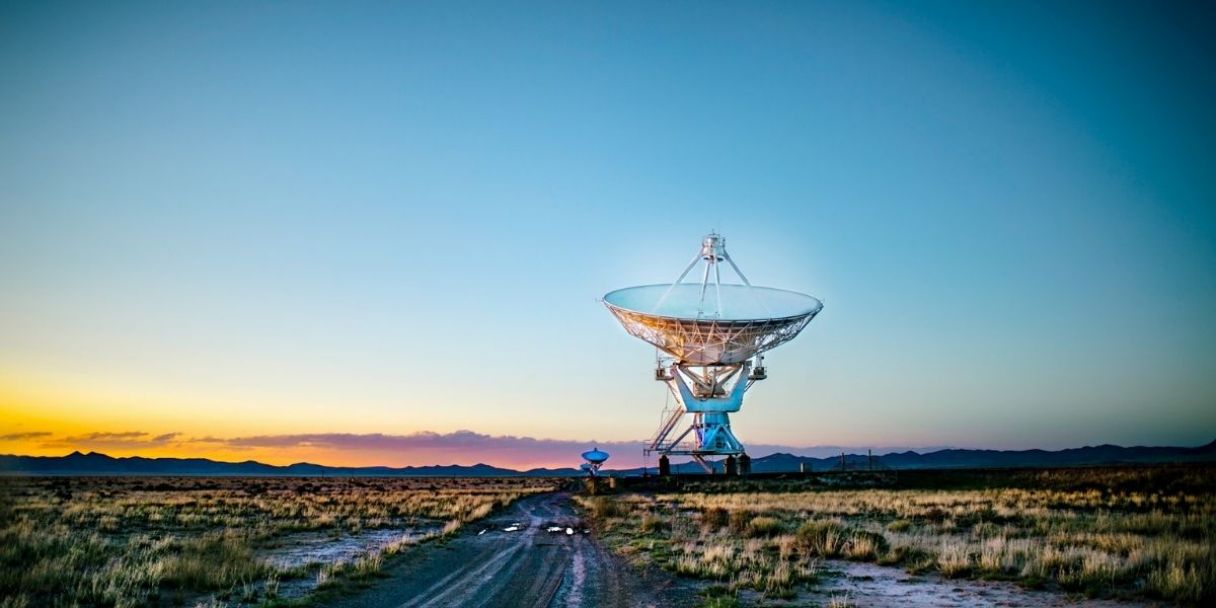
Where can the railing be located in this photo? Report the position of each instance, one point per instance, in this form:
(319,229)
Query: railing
(665,429)
(686,447)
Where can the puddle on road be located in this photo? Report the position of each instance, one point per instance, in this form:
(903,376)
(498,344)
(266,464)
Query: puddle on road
(867,585)
(306,552)
(305,548)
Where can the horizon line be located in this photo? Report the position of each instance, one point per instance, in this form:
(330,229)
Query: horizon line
(78,452)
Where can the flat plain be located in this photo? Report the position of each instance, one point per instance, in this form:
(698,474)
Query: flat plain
(140,541)
(1122,533)
(1117,536)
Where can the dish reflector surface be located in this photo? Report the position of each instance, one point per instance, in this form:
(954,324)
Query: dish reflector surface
(730,324)
(595,456)
(738,302)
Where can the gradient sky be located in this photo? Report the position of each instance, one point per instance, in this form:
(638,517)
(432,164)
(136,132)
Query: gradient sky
(272,229)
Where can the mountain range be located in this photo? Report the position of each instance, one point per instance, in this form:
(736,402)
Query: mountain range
(94,463)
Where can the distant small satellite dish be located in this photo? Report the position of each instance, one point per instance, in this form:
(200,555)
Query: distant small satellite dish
(595,458)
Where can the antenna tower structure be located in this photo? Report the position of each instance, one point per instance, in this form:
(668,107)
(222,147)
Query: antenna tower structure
(710,338)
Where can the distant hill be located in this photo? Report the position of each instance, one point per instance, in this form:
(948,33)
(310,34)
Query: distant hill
(981,459)
(971,459)
(93,463)
(101,464)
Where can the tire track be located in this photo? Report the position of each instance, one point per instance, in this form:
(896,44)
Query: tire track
(484,566)
(460,583)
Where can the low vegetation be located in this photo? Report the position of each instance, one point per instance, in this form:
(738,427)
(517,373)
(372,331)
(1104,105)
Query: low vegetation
(1145,532)
(172,541)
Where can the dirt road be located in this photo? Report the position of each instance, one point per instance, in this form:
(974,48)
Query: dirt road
(529,565)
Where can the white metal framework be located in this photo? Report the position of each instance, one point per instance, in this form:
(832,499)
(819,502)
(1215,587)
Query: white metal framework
(711,338)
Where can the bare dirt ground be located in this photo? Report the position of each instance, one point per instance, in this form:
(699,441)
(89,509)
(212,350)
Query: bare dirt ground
(864,585)
(486,565)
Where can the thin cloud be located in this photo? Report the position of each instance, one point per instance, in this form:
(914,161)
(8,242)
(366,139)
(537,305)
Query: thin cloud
(25,435)
(479,442)
(459,440)
(469,447)
(423,448)
(125,436)
(460,447)
(110,440)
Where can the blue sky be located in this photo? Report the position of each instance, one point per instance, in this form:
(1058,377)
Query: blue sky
(249,218)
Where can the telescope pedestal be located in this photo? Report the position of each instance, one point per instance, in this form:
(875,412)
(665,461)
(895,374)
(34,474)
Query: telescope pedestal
(710,394)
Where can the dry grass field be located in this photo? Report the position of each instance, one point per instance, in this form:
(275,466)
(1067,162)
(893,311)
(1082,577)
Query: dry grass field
(1122,532)
(179,541)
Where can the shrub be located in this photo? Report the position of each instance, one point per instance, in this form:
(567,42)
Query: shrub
(211,562)
(763,526)
(739,520)
(900,525)
(821,538)
(865,546)
(653,522)
(954,561)
(603,507)
(367,566)
(715,518)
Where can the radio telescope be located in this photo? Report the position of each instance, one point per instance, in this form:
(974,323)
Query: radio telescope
(711,338)
(595,459)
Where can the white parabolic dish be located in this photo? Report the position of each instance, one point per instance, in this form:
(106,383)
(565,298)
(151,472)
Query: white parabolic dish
(715,324)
